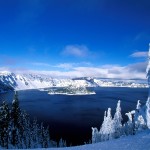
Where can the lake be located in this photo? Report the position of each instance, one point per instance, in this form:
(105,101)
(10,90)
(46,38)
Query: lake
(71,117)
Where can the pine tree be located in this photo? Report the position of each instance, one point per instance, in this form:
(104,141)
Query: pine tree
(106,131)
(148,112)
(62,143)
(139,118)
(41,135)
(16,119)
(4,124)
(148,100)
(46,138)
(35,130)
(16,112)
(26,135)
(102,129)
(117,125)
(18,132)
(138,106)
(129,126)
(95,135)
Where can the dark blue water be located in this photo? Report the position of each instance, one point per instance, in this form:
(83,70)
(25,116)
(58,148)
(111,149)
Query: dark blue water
(71,117)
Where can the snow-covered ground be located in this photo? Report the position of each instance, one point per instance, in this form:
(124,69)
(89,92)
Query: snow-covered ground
(140,141)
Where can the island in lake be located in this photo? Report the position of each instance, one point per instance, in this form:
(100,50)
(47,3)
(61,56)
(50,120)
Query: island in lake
(71,90)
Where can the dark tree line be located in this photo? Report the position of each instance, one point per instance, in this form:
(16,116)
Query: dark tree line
(17,131)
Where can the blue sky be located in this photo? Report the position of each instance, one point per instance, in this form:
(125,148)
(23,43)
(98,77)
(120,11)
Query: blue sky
(102,38)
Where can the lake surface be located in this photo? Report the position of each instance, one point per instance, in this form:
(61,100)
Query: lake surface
(71,117)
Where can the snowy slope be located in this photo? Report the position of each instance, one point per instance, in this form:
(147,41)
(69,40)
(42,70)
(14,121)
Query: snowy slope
(140,141)
(35,81)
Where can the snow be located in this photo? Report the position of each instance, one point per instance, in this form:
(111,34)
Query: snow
(36,81)
(71,90)
(138,106)
(140,141)
(72,94)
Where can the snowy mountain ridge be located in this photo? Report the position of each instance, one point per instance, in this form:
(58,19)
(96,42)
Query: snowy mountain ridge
(34,81)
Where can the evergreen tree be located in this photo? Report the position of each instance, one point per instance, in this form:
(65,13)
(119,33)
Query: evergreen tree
(4,124)
(16,119)
(62,143)
(95,135)
(148,112)
(35,130)
(106,131)
(42,135)
(45,137)
(140,123)
(18,132)
(27,131)
(148,100)
(139,118)
(129,127)
(138,106)
(117,125)
(15,111)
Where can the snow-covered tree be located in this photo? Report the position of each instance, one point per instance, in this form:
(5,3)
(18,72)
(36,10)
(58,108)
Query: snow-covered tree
(95,135)
(62,143)
(139,118)
(129,126)
(148,112)
(117,125)
(16,119)
(4,124)
(138,106)
(148,100)
(107,131)
(44,136)
(35,131)
(18,132)
(15,111)
(140,123)
(148,67)
(27,133)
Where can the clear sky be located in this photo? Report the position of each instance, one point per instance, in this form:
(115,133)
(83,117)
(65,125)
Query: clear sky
(102,38)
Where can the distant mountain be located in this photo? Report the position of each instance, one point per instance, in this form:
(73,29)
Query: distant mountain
(34,81)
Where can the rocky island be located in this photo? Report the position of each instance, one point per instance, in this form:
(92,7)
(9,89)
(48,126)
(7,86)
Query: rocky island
(71,90)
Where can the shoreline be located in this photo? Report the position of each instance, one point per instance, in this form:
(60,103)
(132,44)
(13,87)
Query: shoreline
(72,94)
